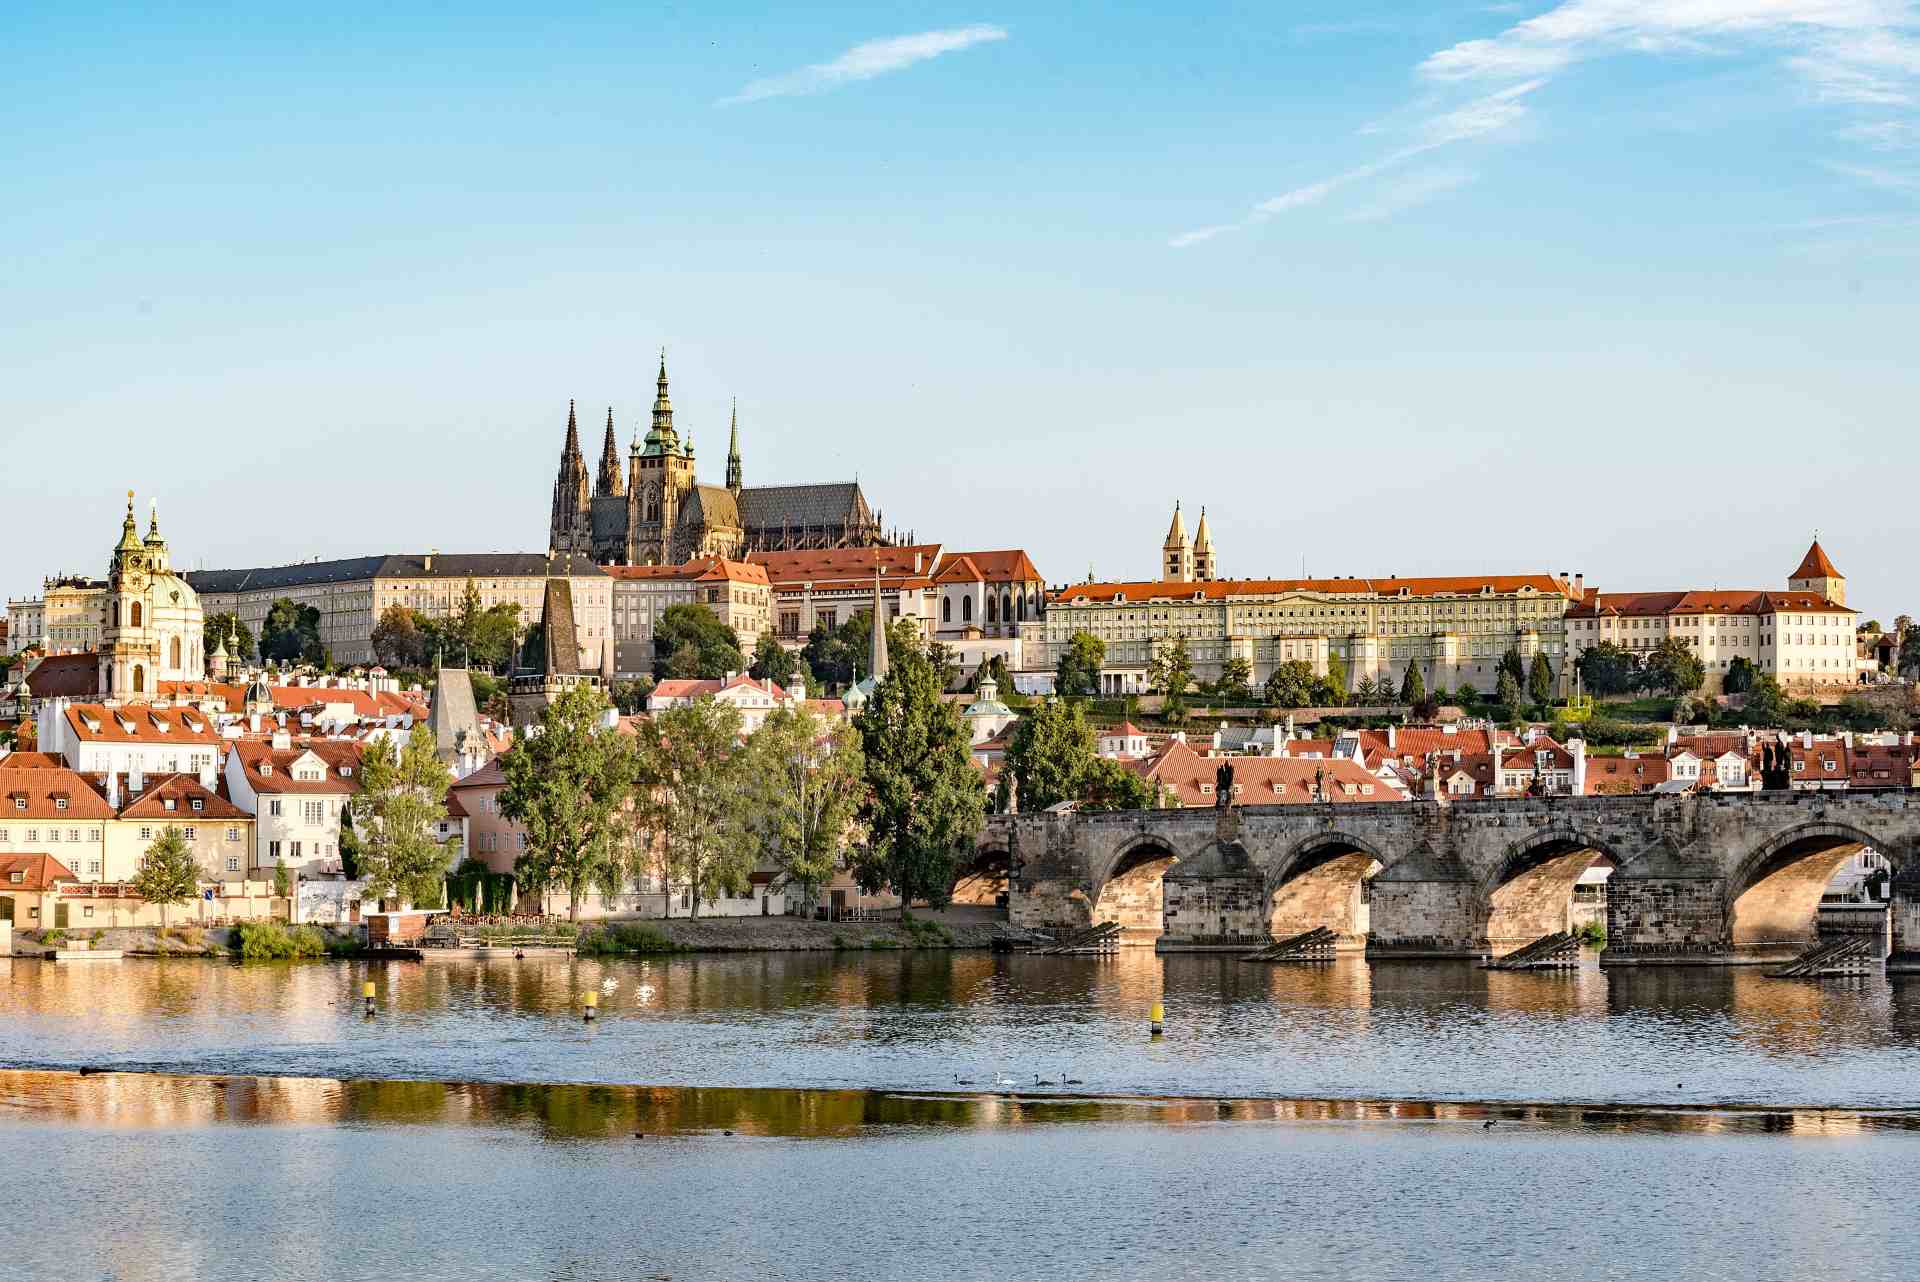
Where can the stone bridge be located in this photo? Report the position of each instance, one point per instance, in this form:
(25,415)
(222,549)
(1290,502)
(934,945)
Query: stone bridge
(1708,878)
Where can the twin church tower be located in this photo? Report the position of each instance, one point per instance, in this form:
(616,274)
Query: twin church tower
(1186,560)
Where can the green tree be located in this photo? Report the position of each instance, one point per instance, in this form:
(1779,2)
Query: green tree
(1511,663)
(690,641)
(805,778)
(167,874)
(291,632)
(1740,675)
(697,799)
(403,794)
(630,697)
(1672,668)
(1367,694)
(773,661)
(1608,669)
(1765,703)
(567,786)
(1078,672)
(399,640)
(1236,680)
(1509,692)
(226,628)
(1291,685)
(1111,786)
(1336,680)
(1540,680)
(1413,686)
(992,668)
(1909,661)
(1170,673)
(1051,751)
(282,883)
(924,799)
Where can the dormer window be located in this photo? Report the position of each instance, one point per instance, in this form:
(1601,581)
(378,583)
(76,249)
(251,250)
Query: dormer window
(59,803)
(198,804)
(169,803)
(19,803)
(126,725)
(266,767)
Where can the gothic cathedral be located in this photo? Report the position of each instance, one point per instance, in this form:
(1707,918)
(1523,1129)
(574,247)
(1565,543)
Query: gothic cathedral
(658,513)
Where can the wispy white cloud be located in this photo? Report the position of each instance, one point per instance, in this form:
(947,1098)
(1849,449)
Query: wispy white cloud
(1411,192)
(1475,119)
(1885,135)
(1904,181)
(865,61)
(1860,52)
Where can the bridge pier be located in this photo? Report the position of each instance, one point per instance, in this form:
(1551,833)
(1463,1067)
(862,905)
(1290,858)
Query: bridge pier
(1904,912)
(1663,909)
(1426,905)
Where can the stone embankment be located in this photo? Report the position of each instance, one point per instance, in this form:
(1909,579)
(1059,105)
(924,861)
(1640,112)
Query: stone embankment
(793,934)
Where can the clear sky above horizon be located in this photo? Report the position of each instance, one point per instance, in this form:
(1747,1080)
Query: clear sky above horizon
(1607,285)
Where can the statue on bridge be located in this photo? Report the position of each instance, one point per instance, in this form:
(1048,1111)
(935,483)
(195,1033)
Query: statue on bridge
(1223,785)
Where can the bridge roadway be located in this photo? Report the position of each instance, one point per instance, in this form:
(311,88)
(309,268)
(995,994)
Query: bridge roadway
(1713,878)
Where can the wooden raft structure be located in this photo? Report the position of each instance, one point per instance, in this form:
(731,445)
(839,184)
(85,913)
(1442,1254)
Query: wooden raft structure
(1558,951)
(1853,955)
(1104,938)
(1316,945)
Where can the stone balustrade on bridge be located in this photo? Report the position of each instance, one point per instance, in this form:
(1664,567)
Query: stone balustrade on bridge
(1711,877)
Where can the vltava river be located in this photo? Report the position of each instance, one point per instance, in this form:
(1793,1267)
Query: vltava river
(947,1021)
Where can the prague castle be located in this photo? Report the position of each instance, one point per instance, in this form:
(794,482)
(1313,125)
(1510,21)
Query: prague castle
(658,512)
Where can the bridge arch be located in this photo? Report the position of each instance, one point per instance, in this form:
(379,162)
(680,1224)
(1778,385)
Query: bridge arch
(1773,894)
(1131,887)
(986,875)
(1529,892)
(1321,881)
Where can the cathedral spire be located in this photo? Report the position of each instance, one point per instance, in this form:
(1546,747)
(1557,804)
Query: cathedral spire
(609,482)
(663,432)
(572,447)
(733,449)
(877,663)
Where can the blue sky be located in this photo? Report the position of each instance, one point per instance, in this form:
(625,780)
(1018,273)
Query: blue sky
(1608,285)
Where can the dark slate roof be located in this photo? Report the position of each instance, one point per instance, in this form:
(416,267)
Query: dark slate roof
(556,621)
(453,711)
(713,506)
(70,676)
(774,506)
(399,566)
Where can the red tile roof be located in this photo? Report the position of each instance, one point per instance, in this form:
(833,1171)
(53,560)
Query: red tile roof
(181,789)
(1011,565)
(1815,565)
(37,872)
(914,560)
(491,775)
(254,754)
(1223,589)
(1625,774)
(1265,780)
(39,794)
(1651,604)
(31,761)
(140,723)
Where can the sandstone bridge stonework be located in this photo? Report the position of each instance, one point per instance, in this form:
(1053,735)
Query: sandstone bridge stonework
(1713,878)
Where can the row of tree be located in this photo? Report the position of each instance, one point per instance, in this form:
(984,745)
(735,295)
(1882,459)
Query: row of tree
(690,801)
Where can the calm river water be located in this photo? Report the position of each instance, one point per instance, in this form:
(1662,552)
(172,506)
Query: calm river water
(1294,1123)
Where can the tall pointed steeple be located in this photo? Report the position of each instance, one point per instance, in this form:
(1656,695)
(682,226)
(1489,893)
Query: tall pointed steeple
(1203,564)
(663,434)
(877,661)
(609,481)
(733,449)
(570,530)
(1177,552)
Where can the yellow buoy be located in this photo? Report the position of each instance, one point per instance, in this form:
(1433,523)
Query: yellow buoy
(1157,1020)
(592,1001)
(366,990)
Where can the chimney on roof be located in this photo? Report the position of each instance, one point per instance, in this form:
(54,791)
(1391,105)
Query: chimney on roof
(113,790)
(1579,583)
(136,779)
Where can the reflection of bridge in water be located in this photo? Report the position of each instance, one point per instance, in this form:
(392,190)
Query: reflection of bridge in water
(1713,878)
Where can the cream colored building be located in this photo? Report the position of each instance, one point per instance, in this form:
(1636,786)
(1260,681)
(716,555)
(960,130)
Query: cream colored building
(352,594)
(1803,637)
(64,618)
(297,793)
(737,592)
(1457,627)
(830,585)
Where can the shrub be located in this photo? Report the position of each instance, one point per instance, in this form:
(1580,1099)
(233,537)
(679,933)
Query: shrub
(622,938)
(53,938)
(925,934)
(1593,934)
(270,941)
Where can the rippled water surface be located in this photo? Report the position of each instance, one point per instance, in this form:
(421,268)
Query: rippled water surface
(144,1178)
(937,1020)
